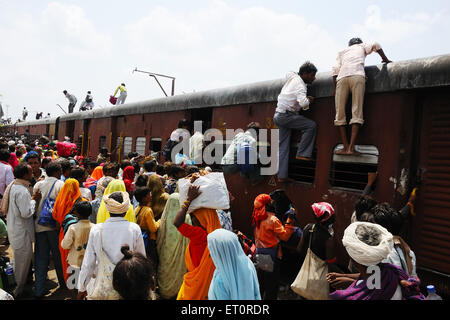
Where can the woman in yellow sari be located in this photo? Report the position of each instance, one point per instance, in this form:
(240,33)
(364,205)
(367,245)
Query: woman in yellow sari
(69,194)
(199,264)
(159,196)
(103,214)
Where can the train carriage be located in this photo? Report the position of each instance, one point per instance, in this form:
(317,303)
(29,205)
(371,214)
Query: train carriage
(405,138)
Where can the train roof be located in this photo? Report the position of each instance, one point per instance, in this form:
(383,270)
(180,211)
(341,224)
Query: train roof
(403,75)
(36,122)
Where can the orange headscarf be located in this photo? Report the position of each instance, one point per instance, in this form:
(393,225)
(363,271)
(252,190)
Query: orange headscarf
(97,173)
(197,280)
(259,210)
(69,194)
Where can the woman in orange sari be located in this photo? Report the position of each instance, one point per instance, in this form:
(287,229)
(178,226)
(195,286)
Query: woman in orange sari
(69,194)
(199,264)
(92,182)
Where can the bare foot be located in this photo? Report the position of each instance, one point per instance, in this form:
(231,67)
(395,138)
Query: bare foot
(343,152)
(303,158)
(354,153)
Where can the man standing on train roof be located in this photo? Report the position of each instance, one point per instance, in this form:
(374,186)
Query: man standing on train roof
(291,100)
(72,100)
(349,77)
(24,113)
(88,102)
(123,94)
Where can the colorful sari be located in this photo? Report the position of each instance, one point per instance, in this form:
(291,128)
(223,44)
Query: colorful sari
(159,196)
(197,280)
(171,246)
(103,214)
(95,176)
(69,194)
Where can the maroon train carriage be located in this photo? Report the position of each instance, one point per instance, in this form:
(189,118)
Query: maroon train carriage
(406,138)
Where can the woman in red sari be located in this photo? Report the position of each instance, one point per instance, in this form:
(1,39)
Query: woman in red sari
(69,194)
(128,179)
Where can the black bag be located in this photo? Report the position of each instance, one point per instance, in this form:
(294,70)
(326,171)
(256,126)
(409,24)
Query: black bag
(167,150)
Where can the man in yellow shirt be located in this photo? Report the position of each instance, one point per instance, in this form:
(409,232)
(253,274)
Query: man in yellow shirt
(123,94)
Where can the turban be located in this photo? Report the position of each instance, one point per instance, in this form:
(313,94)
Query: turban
(363,253)
(323,211)
(115,207)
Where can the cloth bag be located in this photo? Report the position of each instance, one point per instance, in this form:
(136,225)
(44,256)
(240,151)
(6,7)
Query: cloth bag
(103,287)
(214,192)
(46,216)
(311,282)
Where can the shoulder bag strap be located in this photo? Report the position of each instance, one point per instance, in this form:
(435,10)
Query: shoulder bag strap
(51,189)
(138,213)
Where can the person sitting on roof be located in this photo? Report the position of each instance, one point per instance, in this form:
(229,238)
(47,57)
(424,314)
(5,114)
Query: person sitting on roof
(349,76)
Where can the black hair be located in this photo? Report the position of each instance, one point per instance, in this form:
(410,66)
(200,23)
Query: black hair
(78,173)
(125,163)
(18,153)
(307,67)
(3,145)
(192,169)
(388,217)
(65,91)
(140,193)
(65,164)
(176,169)
(141,180)
(12,148)
(160,169)
(45,161)
(133,276)
(28,147)
(131,155)
(83,208)
(364,204)
(104,151)
(282,203)
(149,165)
(21,170)
(5,155)
(52,168)
(111,168)
(183,123)
(48,153)
(92,164)
(353,41)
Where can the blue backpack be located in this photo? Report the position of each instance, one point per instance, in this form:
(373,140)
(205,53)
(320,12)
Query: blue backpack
(46,217)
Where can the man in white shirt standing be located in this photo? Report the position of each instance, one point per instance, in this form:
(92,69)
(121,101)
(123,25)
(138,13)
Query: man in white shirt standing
(47,236)
(291,100)
(72,100)
(109,237)
(21,208)
(349,77)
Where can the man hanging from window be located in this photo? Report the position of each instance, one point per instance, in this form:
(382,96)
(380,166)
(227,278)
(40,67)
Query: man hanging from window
(291,99)
(349,77)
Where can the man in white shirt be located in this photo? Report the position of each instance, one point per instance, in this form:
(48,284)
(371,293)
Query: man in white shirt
(349,77)
(21,208)
(72,100)
(47,236)
(291,100)
(6,172)
(109,237)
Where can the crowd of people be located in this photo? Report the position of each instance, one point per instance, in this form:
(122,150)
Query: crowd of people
(129,230)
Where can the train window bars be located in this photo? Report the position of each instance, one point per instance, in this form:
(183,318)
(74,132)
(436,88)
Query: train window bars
(140,145)
(301,170)
(127,146)
(155,144)
(350,172)
(101,143)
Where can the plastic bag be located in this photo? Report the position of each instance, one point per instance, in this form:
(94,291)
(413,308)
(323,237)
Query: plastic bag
(214,192)
(65,149)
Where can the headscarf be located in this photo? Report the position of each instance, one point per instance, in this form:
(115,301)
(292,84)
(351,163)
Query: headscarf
(323,211)
(103,214)
(197,280)
(259,208)
(171,246)
(235,275)
(128,178)
(13,161)
(29,154)
(363,253)
(391,277)
(95,176)
(115,207)
(159,196)
(67,196)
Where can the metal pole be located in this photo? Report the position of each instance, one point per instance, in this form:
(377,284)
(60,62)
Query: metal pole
(159,84)
(159,75)
(61,108)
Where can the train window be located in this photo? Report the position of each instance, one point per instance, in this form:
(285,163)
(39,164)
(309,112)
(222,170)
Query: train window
(301,170)
(127,145)
(101,143)
(155,144)
(140,145)
(350,172)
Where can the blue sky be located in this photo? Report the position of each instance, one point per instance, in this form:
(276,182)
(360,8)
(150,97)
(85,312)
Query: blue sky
(49,46)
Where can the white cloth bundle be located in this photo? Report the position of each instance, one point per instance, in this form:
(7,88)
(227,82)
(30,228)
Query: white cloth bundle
(214,192)
(115,207)
(363,253)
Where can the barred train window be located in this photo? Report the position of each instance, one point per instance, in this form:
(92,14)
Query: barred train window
(127,145)
(140,145)
(350,172)
(301,170)
(155,144)
(101,143)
